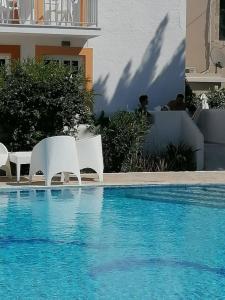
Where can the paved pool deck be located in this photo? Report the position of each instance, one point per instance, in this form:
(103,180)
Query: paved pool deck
(212,177)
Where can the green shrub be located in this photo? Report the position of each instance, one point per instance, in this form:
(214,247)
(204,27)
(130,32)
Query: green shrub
(216,99)
(146,163)
(180,157)
(190,98)
(37,100)
(175,158)
(122,138)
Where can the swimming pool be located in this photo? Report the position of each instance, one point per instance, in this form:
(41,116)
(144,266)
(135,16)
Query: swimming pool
(157,242)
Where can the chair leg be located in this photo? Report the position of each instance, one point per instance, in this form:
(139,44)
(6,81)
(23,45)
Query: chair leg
(62,177)
(30,178)
(100,176)
(48,181)
(7,169)
(79,179)
(18,167)
(66,177)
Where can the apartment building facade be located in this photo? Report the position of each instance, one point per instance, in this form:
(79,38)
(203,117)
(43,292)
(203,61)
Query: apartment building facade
(205,47)
(127,48)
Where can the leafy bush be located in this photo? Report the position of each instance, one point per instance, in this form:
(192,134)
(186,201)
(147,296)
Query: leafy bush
(216,99)
(146,163)
(37,100)
(189,98)
(122,138)
(180,157)
(175,158)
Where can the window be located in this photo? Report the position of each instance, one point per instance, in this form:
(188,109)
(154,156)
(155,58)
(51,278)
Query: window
(2,62)
(74,62)
(5,61)
(222,20)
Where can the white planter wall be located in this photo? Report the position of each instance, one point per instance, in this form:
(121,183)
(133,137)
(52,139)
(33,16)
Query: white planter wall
(175,127)
(212,125)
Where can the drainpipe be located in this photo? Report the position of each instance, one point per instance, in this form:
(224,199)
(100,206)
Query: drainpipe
(208,35)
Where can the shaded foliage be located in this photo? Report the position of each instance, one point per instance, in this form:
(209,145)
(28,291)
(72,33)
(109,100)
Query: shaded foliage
(37,100)
(175,158)
(122,137)
(216,99)
(189,98)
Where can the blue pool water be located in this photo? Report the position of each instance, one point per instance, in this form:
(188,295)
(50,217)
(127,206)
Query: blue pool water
(113,243)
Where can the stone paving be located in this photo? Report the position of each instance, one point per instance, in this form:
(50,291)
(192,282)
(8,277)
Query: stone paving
(128,179)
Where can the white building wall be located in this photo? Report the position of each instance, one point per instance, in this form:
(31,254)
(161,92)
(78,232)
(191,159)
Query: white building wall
(27,43)
(140,51)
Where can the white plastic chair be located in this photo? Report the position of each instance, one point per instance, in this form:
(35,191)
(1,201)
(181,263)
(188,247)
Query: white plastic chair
(90,154)
(4,160)
(55,155)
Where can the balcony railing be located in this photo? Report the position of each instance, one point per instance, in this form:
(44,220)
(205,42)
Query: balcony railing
(71,13)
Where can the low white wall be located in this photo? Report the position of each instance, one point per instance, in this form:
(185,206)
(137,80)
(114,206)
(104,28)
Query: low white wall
(191,135)
(211,122)
(165,130)
(175,127)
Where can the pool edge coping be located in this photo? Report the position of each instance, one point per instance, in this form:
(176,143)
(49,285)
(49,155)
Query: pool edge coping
(109,185)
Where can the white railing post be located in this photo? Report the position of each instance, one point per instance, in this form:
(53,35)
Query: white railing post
(96,13)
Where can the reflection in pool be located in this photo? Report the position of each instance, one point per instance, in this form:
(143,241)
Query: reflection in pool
(106,243)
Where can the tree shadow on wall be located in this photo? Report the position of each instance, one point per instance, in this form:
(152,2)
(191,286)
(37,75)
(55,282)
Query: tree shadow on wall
(160,89)
(172,76)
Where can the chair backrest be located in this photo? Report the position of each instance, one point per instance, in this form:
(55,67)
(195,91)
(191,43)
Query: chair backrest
(3,154)
(90,153)
(54,155)
(83,131)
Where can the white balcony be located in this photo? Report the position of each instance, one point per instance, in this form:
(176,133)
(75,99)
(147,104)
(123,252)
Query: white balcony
(56,17)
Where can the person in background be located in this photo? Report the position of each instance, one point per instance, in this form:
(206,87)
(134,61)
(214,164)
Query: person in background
(177,104)
(143,108)
(143,104)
